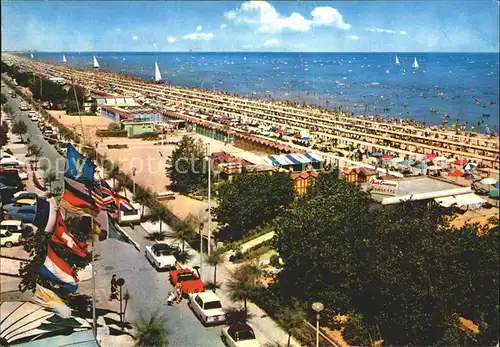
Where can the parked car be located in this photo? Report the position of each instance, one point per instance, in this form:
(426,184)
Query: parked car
(31,114)
(162,256)
(25,195)
(24,202)
(9,239)
(22,212)
(16,227)
(207,307)
(191,283)
(239,335)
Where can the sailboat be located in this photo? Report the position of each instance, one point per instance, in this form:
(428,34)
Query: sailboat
(64,59)
(96,64)
(157,73)
(397,61)
(32,56)
(415,65)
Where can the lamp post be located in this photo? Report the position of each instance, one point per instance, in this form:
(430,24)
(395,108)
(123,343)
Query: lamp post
(318,307)
(121,282)
(133,180)
(209,161)
(201,249)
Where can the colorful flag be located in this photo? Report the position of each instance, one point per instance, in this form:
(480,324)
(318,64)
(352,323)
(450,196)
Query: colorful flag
(103,197)
(77,194)
(63,237)
(123,204)
(58,271)
(105,189)
(48,299)
(77,166)
(108,228)
(46,214)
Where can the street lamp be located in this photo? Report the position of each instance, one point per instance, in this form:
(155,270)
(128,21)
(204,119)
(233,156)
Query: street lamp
(133,180)
(201,248)
(209,161)
(318,307)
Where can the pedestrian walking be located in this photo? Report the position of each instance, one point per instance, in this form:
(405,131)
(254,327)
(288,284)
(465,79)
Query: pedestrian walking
(114,289)
(178,292)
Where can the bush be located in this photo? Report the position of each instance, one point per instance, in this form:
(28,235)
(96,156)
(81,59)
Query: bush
(111,133)
(149,135)
(274,260)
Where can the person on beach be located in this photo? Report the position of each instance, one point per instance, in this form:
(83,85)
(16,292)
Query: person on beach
(114,289)
(170,298)
(178,292)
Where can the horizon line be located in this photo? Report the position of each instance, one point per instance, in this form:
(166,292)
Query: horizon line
(289,52)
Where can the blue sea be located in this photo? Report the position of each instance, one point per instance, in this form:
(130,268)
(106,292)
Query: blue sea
(464,86)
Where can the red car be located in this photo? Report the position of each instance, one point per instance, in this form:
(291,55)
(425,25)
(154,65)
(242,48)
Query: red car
(191,283)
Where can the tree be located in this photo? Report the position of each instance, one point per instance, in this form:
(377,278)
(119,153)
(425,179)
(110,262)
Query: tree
(37,152)
(291,318)
(36,247)
(187,166)
(8,110)
(3,99)
(404,268)
(143,196)
(19,128)
(184,232)
(151,332)
(4,130)
(250,201)
(355,331)
(243,282)
(114,171)
(48,178)
(159,214)
(215,258)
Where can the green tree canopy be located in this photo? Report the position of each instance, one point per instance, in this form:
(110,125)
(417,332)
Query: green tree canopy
(3,99)
(19,128)
(250,201)
(4,130)
(187,168)
(402,267)
(151,332)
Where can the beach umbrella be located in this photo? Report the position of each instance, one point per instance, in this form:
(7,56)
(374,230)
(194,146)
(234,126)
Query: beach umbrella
(460,162)
(397,160)
(421,166)
(434,167)
(376,154)
(439,159)
(407,163)
(470,166)
(488,181)
(494,193)
(430,156)
(456,173)
(450,160)
(387,157)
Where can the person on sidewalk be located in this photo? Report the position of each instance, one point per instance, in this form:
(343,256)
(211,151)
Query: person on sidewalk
(114,289)
(170,298)
(178,292)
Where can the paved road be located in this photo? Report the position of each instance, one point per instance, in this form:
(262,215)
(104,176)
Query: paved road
(148,289)
(50,154)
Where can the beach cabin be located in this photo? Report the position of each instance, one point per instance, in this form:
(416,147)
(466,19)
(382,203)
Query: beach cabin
(136,128)
(302,180)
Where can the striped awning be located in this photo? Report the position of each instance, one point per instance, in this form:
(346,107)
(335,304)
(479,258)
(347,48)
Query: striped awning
(293,159)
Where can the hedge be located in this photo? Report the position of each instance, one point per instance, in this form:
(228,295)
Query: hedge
(111,133)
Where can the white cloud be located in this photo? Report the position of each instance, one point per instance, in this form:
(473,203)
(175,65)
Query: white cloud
(171,39)
(353,37)
(135,37)
(199,36)
(199,28)
(329,16)
(380,30)
(403,32)
(263,15)
(223,26)
(271,43)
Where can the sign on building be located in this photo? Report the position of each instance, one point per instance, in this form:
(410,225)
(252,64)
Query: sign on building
(384,187)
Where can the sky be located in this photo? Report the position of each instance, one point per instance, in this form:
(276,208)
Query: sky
(283,26)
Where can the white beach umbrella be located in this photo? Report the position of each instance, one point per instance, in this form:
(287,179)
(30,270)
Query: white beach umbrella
(488,181)
(470,166)
(437,159)
(434,167)
(450,160)
(397,160)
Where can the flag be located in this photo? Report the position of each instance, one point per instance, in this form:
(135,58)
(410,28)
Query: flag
(63,237)
(77,194)
(58,271)
(77,211)
(105,189)
(109,229)
(103,196)
(123,204)
(48,299)
(46,214)
(77,166)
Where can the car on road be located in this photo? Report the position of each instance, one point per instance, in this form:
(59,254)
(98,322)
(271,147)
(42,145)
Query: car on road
(191,283)
(239,335)
(22,212)
(16,227)
(25,195)
(207,307)
(9,239)
(162,256)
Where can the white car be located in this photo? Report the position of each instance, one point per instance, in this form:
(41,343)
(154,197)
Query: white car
(239,335)
(9,239)
(162,256)
(31,114)
(207,307)
(16,227)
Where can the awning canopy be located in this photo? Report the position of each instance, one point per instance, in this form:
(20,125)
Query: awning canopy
(293,159)
(470,200)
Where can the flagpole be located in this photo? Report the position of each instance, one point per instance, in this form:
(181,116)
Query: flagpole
(94,322)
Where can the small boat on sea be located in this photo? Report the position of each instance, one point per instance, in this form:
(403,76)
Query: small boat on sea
(415,64)
(64,59)
(32,56)
(157,73)
(96,64)
(397,61)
